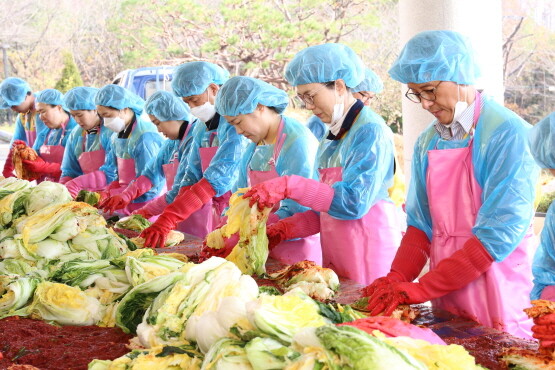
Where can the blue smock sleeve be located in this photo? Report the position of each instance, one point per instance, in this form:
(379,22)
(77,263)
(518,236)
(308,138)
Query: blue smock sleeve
(367,165)
(189,171)
(507,174)
(543,267)
(70,164)
(317,127)
(297,157)
(19,132)
(223,171)
(145,150)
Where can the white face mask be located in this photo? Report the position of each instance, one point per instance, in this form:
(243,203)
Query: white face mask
(116,124)
(204,112)
(337,115)
(460,107)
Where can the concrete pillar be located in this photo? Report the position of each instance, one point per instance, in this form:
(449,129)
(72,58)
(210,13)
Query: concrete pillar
(480,20)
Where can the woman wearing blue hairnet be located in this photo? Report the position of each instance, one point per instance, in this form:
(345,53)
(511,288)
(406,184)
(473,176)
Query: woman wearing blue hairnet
(51,142)
(364,91)
(280,145)
(470,203)
(173,119)
(16,94)
(542,145)
(212,167)
(88,145)
(135,144)
(358,222)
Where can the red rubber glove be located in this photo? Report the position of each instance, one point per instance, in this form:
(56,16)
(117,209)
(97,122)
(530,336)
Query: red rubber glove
(134,190)
(183,190)
(39,165)
(544,330)
(182,207)
(412,255)
(8,165)
(106,193)
(307,192)
(300,225)
(229,243)
(452,273)
(90,181)
(64,180)
(153,208)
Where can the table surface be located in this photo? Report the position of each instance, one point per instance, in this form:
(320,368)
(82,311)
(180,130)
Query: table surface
(484,343)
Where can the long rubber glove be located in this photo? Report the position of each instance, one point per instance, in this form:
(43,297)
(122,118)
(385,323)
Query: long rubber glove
(157,206)
(106,193)
(307,192)
(8,165)
(182,207)
(452,273)
(300,225)
(410,259)
(134,190)
(93,180)
(39,165)
(544,330)
(229,243)
(64,180)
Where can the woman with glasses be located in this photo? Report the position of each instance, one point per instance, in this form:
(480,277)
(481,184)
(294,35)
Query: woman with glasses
(358,223)
(364,91)
(470,203)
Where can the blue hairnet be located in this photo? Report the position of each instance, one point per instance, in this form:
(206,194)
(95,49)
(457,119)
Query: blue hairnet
(436,56)
(542,141)
(52,97)
(372,82)
(325,63)
(13,91)
(81,98)
(241,95)
(194,77)
(167,107)
(117,97)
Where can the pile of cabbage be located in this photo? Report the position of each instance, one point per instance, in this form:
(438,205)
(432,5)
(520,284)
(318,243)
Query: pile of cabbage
(211,316)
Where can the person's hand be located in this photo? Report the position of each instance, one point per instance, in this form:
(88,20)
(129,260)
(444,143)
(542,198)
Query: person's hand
(155,235)
(33,165)
(544,330)
(110,205)
(229,243)
(267,193)
(369,290)
(387,297)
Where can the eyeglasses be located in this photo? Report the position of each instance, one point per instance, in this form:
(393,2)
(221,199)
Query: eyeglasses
(307,99)
(429,95)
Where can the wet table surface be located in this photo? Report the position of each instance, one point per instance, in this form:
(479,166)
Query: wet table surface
(484,343)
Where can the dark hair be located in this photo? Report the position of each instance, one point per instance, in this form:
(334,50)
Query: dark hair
(331,84)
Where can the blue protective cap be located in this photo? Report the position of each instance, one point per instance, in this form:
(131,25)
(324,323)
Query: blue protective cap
(81,98)
(325,63)
(436,56)
(241,95)
(194,77)
(13,91)
(115,96)
(167,107)
(542,142)
(372,82)
(52,97)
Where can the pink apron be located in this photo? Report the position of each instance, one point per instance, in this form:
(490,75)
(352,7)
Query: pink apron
(496,299)
(290,251)
(52,153)
(218,204)
(363,249)
(93,160)
(126,174)
(197,223)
